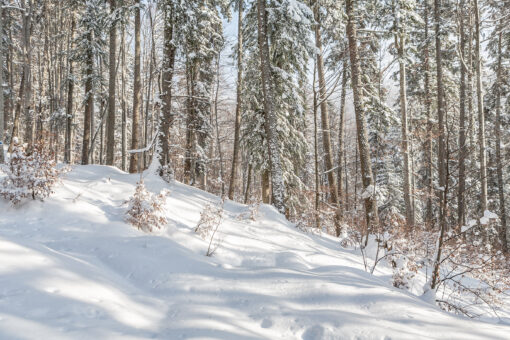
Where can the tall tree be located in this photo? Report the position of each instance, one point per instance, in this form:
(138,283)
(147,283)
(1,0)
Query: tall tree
(278,189)
(137,95)
(112,69)
(237,128)
(371,214)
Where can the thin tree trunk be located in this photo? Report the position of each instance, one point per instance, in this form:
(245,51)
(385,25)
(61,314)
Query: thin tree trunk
(17,112)
(316,150)
(89,104)
(235,154)
(112,73)
(123,101)
(70,99)
(461,205)
(341,141)
(277,184)
(481,114)
(501,184)
(400,43)
(248,185)
(371,215)
(2,112)
(167,117)
(441,150)
(27,61)
(326,131)
(135,134)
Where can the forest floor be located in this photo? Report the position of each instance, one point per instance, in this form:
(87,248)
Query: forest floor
(72,268)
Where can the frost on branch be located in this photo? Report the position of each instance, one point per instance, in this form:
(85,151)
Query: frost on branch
(145,210)
(29,174)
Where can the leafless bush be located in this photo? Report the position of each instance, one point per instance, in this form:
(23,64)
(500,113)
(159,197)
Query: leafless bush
(145,210)
(208,225)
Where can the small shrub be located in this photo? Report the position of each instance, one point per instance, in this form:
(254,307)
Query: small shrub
(145,210)
(30,174)
(207,226)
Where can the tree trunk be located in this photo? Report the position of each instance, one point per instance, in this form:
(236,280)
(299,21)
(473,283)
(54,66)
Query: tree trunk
(167,117)
(2,113)
(70,100)
(27,61)
(112,72)
(266,187)
(341,141)
(400,43)
(481,114)
(501,184)
(326,132)
(235,154)
(371,215)
(442,150)
(461,205)
(89,104)
(123,100)
(277,184)
(17,113)
(137,94)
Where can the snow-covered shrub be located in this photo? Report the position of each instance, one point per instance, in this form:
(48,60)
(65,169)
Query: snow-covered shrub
(207,226)
(252,213)
(30,174)
(145,209)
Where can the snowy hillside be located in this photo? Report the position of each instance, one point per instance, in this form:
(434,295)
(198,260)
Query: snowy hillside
(71,268)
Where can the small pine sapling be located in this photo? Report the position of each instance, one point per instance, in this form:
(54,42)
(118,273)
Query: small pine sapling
(146,210)
(30,174)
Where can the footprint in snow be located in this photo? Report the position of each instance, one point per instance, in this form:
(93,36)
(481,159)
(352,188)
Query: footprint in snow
(314,333)
(266,323)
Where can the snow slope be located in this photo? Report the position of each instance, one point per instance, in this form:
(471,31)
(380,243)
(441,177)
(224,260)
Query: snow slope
(71,268)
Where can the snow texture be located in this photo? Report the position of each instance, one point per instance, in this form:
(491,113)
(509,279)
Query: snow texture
(72,268)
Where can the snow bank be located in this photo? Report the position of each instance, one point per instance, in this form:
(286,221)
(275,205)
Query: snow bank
(71,268)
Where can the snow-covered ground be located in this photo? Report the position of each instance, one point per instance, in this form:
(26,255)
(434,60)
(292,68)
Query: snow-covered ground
(71,268)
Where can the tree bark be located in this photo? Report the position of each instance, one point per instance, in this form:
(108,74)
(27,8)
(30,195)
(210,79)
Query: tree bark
(501,184)
(326,132)
(277,184)
(89,104)
(167,117)
(400,41)
(461,205)
(371,214)
(481,114)
(235,154)
(70,100)
(341,141)
(112,72)
(137,94)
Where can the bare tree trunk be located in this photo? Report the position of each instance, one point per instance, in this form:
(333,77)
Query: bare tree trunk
(326,132)
(27,61)
(218,142)
(400,43)
(429,215)
(461,204)
(277,184)
(112,73)
(70,100)
(235,154)
(135,134)
(17,112)
(316,151)
(501,184)
(2,112)
(266,187)
(167,117)
(341,141)
(442,146)
(248,185)
(481,114)
(371,215)
(89,104)
(123,100)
